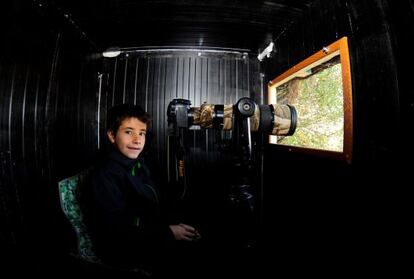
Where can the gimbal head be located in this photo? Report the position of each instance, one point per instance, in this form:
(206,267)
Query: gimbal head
(245,107)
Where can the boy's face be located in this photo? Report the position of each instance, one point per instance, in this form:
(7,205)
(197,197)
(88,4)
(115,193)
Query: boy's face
(130,137)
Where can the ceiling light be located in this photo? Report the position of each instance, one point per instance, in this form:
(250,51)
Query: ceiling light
(266,52)
(112,52)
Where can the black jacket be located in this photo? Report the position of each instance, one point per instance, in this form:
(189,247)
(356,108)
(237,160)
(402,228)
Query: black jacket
(122,213)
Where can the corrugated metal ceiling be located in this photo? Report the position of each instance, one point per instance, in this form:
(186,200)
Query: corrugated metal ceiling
(232,24)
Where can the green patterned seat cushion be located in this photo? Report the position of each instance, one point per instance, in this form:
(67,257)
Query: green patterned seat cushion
(69,194)
(69,200)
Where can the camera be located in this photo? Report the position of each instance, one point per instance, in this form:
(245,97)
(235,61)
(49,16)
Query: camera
(272,119)
(242,118)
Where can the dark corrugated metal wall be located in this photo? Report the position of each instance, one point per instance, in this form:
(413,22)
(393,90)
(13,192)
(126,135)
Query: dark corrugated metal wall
(347,208)
(46,134)
(24,97)
(47,114)
(53,114)
(154,78)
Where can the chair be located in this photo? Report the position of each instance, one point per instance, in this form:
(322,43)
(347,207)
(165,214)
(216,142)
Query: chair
(69,201)
(69,194)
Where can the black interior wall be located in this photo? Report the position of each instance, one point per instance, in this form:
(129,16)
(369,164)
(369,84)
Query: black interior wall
(53,102)
(324,210)
(155,77)
(50,124)
(47,93)
(401,20)
(152,79)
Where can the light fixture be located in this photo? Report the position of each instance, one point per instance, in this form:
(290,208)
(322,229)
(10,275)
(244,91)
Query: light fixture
(111,52)
(266,52)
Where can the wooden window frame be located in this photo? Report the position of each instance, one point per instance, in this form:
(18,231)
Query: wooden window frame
(339,47)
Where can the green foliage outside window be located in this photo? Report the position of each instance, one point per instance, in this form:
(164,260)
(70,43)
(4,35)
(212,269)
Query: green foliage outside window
(318,99)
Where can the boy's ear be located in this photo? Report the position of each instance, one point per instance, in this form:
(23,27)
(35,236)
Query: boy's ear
(111,136)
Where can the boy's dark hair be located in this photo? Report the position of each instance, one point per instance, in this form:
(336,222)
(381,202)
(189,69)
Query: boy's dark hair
(118,113)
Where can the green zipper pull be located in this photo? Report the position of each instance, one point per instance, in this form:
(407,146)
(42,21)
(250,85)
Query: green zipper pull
(137,166)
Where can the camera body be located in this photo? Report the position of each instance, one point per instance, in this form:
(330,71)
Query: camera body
(177,112)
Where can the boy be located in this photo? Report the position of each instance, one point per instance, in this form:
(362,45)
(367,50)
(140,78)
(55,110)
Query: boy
(121,206)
